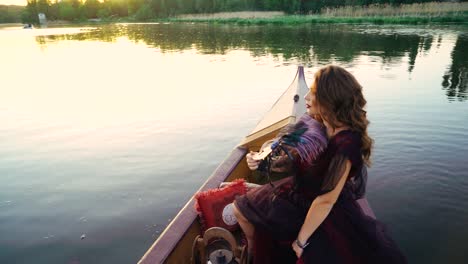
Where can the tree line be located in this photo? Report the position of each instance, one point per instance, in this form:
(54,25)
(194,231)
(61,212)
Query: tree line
(73,10)
(10,13)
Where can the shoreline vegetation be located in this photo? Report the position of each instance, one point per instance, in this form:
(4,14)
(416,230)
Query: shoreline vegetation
(412,13)
(416,13)
(320,19)
(11,13)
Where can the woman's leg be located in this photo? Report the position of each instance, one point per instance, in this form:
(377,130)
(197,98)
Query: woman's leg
(246,226)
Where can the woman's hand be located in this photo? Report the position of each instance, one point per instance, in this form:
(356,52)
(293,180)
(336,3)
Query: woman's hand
(297,249)
(252,163)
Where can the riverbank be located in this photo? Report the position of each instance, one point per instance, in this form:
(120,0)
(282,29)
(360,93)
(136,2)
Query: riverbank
(417,13)
(319,19)
(282,20)
(413,14)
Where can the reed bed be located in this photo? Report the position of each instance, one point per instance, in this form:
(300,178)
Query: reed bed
(422,13)
(233,15)
(413,10)
(294,20)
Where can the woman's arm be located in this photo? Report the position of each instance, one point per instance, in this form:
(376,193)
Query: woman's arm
(319,210)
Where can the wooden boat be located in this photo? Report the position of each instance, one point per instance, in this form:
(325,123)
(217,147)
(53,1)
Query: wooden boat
(174,245)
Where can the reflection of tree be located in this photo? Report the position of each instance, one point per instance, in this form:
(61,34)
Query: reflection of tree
(455,80)
(424,46)
(307,44)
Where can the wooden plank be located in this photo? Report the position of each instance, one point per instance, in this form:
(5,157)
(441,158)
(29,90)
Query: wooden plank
(273,129)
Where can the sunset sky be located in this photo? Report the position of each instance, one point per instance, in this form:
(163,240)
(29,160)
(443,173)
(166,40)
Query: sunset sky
(13,2)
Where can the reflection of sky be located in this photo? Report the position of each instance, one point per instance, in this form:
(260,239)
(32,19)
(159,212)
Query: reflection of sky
(97,85)
(93,134)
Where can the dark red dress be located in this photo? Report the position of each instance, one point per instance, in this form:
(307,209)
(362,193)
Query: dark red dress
(347,235)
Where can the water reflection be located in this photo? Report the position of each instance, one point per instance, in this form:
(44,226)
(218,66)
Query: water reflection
(309,45)
(455,80)
(424,45)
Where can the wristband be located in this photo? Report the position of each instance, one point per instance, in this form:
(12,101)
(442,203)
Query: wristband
(299,244)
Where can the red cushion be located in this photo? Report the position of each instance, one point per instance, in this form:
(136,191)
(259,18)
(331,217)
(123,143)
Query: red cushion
(211,204)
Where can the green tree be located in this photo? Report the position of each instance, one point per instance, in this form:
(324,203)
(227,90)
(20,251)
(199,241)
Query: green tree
(272,4)
(144,12)
(118,8)
(103,12)
(10,13)
(68,10)
(30,13)
(159,7)
(54,10)
(91,8)
(291,6)
(42,6)
(134,6)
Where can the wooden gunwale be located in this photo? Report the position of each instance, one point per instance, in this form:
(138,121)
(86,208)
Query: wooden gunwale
(177,229)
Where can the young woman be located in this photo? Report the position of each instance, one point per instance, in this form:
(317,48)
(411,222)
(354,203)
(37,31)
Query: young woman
(316,212)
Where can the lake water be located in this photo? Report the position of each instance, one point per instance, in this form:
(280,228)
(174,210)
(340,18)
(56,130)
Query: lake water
(107,131)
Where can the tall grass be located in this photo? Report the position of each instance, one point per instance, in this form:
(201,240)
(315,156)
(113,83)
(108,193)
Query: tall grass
(414,10)
(317,19)
(233,15)
(422,13)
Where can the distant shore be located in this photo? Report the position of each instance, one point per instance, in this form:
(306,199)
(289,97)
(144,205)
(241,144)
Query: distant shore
(257,18)
(417,13)
(320,19)
(278,20)
(414,14)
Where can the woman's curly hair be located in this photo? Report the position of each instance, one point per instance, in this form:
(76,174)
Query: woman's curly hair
(340,101)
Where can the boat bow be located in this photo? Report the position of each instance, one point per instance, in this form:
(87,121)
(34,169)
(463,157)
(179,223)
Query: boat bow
(286,110)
